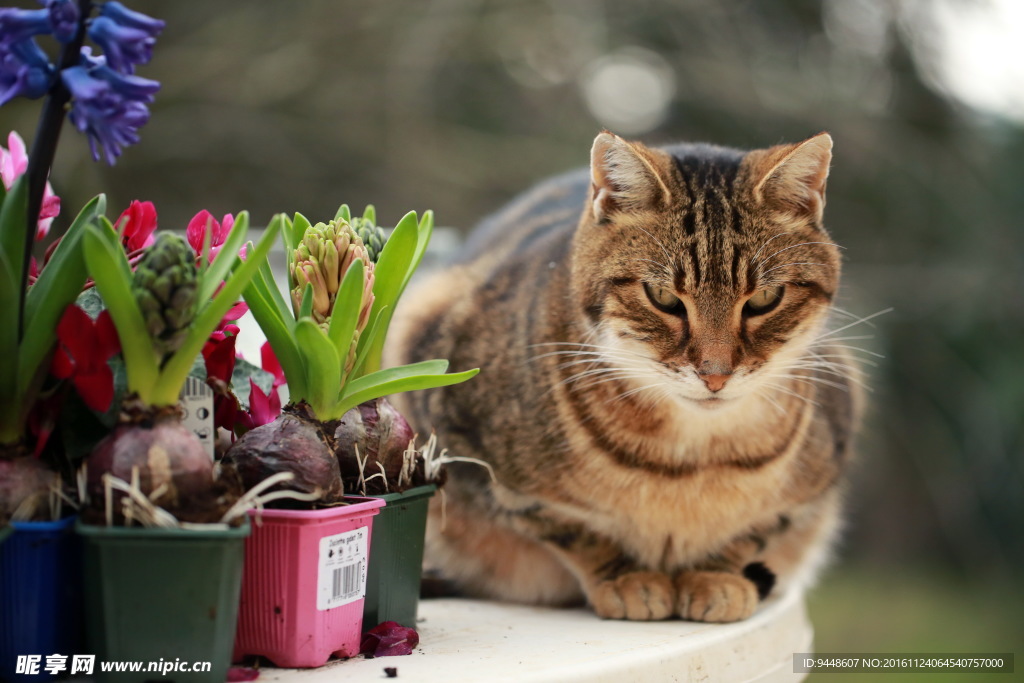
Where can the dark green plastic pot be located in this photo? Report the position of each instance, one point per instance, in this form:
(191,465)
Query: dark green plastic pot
(166,596)
(396,558)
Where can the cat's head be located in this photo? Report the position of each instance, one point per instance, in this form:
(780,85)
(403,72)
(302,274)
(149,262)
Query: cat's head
(703,272)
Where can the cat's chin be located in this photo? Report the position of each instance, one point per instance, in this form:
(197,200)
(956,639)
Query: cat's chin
(709,403)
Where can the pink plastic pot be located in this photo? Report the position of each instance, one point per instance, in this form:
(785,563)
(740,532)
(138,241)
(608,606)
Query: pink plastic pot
(304,583)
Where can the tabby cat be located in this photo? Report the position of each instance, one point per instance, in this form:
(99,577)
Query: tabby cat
(665,421)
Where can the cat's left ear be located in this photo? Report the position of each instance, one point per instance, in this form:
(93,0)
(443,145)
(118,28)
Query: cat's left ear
(793,177)
(626,176)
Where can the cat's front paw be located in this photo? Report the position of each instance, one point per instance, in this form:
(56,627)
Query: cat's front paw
(637,596)
(714,596)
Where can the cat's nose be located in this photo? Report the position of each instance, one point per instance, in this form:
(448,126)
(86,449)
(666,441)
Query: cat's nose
(715,382)
(714,373)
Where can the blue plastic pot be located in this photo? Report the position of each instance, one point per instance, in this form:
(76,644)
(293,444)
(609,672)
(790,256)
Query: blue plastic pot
(40,594)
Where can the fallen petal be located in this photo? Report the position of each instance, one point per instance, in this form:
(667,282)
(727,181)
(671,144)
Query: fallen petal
(389,639)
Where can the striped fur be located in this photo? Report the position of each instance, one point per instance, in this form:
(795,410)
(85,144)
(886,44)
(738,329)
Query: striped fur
(650,463)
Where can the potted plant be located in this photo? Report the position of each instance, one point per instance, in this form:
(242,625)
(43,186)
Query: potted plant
(344,281)
(152,470)
(39,562)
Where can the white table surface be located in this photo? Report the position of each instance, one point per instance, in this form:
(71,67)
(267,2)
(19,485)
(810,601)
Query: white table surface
(468,640)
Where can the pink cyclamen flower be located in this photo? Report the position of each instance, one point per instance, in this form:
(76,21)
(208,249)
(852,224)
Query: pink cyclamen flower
(13,163)
(263,408)
(136,225)
(271,364)
(203,221)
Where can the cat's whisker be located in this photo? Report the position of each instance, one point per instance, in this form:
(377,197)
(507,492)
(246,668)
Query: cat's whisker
(853,337)
(796,263)
(854,323)
(635,390)
(848,314)
(661,245)
(606,374)
(662,266)
(766,243)
(831,244)
(760,393)
(855,348)
(822,366)
(785,390)
(845,357)
(807,379)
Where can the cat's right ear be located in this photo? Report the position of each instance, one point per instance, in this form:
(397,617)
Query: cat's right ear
(624,176)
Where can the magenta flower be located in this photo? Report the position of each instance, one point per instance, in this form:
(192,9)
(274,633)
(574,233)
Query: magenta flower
(263,408)
(136,225)
(203,222)
(271,364)
(13,162)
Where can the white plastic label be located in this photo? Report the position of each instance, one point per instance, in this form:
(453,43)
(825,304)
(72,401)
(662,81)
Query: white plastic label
(197,402)
(341,577)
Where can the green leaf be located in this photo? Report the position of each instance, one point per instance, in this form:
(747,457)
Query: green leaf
(370,214)
(366,342)
(390,274)
(427,367)
(10,411)
(354,397)
(345,315)
(323,369)
(280,333)
(306,308)
(268,284)
(292,238)
(59,284)
(13,236)
(226,257)
(107,264)
(344,212)
(174,372)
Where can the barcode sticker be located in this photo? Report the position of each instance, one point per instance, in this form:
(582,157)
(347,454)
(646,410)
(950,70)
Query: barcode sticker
(341,577)
(197,402)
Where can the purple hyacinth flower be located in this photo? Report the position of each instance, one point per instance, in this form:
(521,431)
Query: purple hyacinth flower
(123,46)
(63,18)
(137,20)
(24,71)
(108,107)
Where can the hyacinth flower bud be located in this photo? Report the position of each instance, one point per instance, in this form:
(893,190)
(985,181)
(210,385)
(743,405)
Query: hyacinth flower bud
(308,272)
(165,284)
(330,263)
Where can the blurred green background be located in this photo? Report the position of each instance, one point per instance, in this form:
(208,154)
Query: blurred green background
(457,105)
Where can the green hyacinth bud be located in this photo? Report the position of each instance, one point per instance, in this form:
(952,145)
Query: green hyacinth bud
(165,285)
(372,236)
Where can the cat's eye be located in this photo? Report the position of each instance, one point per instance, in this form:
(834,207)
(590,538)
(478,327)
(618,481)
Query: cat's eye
(664,299)
(763,300)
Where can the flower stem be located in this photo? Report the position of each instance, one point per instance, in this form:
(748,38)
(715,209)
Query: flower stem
(44,147)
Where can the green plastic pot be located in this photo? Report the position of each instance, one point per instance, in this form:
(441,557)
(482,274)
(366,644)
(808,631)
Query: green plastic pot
(396,558)
(164,597)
